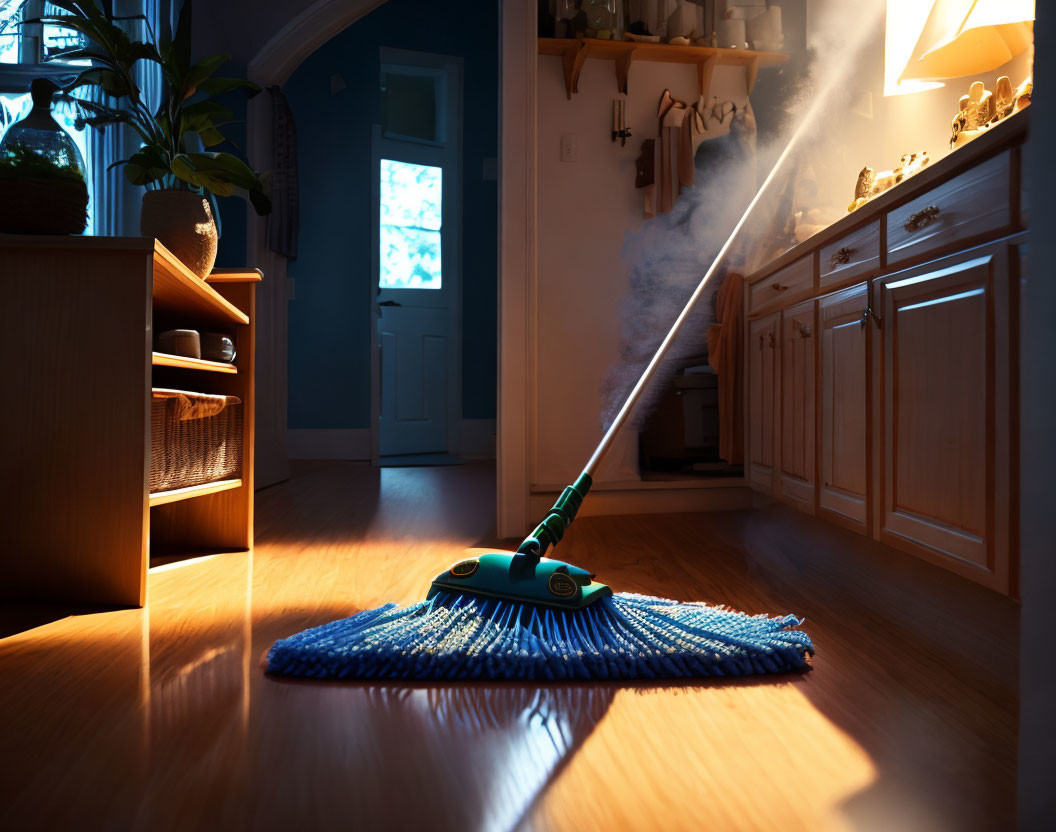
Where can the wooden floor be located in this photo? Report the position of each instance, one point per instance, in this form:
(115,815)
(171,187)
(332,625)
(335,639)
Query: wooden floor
(162,718)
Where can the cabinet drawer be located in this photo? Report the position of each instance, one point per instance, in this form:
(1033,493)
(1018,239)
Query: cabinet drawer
(852,255)
(976,202)
(790,283)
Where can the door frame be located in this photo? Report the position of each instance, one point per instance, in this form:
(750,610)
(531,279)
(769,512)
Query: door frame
(451,244)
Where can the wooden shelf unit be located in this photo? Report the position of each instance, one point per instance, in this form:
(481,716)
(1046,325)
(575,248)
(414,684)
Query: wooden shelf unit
(574,53)
(80,313)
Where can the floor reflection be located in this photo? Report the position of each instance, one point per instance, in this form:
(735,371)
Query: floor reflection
(503,744)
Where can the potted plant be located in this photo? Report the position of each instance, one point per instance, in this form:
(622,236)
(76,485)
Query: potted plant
(174,163)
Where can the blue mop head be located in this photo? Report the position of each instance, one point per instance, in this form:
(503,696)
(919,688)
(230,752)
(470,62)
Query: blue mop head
(461,636)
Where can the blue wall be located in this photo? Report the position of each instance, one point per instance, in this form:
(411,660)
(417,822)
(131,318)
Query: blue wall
(329,323)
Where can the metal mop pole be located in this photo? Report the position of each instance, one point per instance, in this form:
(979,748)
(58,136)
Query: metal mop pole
(553,526)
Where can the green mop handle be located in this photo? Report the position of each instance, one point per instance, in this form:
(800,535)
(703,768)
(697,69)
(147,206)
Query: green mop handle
(549,532)
(560,517)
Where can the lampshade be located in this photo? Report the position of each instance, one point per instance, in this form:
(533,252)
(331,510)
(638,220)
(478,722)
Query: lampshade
(969,37)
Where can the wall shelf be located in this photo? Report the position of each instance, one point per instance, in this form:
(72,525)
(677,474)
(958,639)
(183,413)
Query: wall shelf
(162,359)
(574,53)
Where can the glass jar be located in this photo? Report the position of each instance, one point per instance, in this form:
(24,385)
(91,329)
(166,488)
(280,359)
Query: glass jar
(601,19)
(43,179)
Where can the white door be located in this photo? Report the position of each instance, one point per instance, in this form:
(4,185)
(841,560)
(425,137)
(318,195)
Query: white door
(417,201)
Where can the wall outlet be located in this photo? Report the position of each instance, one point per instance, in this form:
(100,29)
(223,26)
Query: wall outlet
(568,147)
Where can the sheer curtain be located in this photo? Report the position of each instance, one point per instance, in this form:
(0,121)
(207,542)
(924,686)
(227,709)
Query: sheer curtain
(117,200)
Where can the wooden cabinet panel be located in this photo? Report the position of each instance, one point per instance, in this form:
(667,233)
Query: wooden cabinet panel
(795,480)
(974,203)
(762,352)
(843,488)
(782,287)
(945,401)
(856,254)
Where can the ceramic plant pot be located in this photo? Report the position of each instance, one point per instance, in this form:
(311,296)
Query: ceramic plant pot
(183,223)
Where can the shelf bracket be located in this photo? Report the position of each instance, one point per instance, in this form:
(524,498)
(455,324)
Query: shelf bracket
(572,60)
(623,68)
(704,73)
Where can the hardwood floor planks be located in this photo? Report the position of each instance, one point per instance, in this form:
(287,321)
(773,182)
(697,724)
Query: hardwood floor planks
(163,719)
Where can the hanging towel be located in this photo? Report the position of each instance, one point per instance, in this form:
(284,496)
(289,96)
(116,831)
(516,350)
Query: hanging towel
(283,221)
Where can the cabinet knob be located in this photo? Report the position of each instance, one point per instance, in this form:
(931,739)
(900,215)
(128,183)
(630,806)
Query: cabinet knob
(804,331)
(922,218)
(841,257)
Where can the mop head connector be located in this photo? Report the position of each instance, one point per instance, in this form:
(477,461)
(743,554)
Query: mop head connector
(518,577)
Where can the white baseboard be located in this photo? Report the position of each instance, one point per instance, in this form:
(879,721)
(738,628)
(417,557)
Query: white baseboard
(351,443)
(476,439)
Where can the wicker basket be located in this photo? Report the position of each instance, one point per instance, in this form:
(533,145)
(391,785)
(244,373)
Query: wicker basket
(194,439)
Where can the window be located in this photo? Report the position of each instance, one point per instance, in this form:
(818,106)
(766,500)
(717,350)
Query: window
(34,44)
(410,214)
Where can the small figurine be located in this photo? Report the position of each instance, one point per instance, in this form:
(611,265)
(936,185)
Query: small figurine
(870,183)
(1004,99)
(1023,93)
(981,109)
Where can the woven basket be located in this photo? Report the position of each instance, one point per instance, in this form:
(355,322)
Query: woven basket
(187,449)
(43,206)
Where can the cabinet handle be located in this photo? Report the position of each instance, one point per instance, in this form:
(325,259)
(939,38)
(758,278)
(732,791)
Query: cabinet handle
(841,257)
(777,287)
(864,321)
(770,339)
(922,218)
(804,331)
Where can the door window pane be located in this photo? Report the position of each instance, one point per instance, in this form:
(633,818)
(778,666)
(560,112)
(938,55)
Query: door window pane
(410,213)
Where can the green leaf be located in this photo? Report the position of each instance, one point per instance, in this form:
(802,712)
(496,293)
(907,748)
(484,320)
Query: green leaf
(261,202)
(179,57)
(112,82)
(220,173)
(203,70)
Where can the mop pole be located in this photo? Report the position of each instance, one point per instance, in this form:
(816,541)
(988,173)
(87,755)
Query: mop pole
(553,526)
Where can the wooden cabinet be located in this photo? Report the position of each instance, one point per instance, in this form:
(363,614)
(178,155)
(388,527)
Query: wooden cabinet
(843,415)
(889,404)
(762,377)
(945,375)
(795,418)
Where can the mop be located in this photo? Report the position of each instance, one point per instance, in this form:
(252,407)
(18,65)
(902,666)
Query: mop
(523,616)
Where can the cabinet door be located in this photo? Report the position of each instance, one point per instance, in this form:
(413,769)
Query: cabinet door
(795,446)
(945,405)
(762,349)
(843,490)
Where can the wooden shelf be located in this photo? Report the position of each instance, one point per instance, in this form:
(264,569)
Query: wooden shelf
(162,359)
(242,275)
(178,290)
(575,51)
(160,498)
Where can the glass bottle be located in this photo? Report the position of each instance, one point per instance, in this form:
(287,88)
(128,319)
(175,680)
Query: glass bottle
(41,134)
(42,160)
